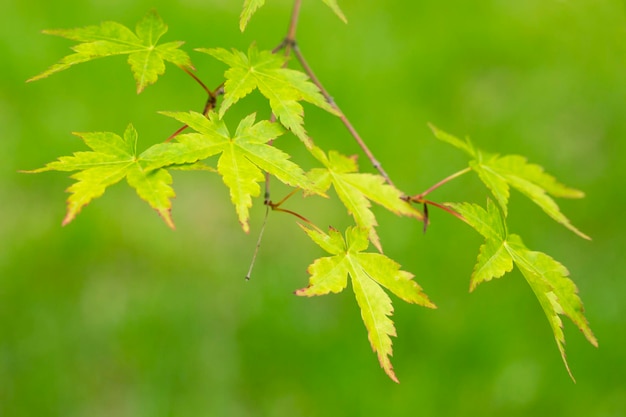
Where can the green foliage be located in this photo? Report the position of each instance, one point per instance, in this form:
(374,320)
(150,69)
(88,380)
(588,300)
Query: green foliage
(368,273)
(145,57)
(112,159)
(356,190)
(283,87)
(243,158)
(499,172)
(249,157)
(548,279)
(249,8)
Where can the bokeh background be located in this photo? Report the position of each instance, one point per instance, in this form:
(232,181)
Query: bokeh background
(116,315)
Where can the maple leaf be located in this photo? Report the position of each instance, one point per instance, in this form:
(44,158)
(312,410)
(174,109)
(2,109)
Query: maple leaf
(557,294)
(283,87)
(499,173)
(251,6)
(112,159)
(356,190)
(243,158)
(368,272)
(146,58)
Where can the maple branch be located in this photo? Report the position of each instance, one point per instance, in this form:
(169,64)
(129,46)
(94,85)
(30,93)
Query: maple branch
(293,24)
(210,102)
(309,71)
(440,183)
(287,43)
(276,207)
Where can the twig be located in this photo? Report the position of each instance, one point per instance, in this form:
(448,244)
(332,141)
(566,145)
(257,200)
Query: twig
(258,244)
(287,43)
(309,71)
(275,207)
(444,208)
(440,183)
(210,102)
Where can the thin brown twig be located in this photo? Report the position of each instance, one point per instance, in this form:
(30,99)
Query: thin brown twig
(192,75)
(293,23)
(443,207)
(258,244)
(210,102)
(274,207)
(309,71)
(440,183)
(287,43)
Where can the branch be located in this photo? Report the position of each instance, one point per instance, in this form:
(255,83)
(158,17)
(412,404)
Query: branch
(210,102)
(309,71)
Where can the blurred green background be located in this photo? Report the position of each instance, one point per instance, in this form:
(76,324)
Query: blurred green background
(115,315)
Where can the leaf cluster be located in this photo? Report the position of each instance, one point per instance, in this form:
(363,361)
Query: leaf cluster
(249,157)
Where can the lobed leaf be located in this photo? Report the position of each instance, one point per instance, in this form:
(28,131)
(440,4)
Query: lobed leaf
(498,173)
(243,157)
(356,190)
(145,57)
(283,87)
(112,159)
(557,294)
(486,222)
(368,273)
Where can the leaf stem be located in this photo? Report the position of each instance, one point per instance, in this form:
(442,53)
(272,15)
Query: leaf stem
(210,102)
(258,244)
(442,207)
(192,75)
(419,197)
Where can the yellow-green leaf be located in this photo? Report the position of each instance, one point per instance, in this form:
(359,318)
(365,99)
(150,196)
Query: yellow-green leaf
(249,8)
(112,159)
(369,273)
(356,190)
(283,87)
(145,57)
(556,293)
(499,173)
(243,158)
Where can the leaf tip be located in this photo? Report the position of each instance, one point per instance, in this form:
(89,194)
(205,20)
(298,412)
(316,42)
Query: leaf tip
(166,215)
(68,218)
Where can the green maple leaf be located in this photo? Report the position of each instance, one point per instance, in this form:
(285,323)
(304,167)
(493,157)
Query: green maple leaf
(548,278)
(243,158)
(251,6)
(356,190)
(283,87)
(499,173)
(369,272)
(112,159)
(146,58)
